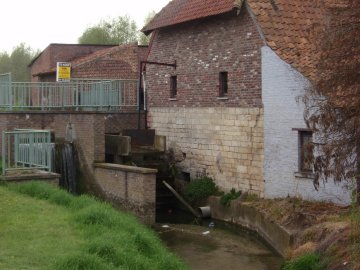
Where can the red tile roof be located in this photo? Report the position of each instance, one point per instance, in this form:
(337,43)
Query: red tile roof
(289,29)
(288,26)
(109,52)
(179,11)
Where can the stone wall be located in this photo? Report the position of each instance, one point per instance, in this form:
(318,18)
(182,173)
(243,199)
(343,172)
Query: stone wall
(130,188)
(223,143)
(283,112)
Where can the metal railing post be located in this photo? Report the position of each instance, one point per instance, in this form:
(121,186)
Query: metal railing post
(48,148)
(10,93)
(3,151)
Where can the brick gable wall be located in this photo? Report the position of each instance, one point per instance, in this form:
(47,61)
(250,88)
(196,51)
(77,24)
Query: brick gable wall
(121,64)
(221,138)
(202,49)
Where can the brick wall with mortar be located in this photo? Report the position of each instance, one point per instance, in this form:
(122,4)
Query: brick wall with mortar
(121,64)
(283,111)
(220,137)
(113,123)
(229,43)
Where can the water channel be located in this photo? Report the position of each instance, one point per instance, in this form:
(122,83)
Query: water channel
(218,246)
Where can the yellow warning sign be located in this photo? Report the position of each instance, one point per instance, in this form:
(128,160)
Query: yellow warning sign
(63,71)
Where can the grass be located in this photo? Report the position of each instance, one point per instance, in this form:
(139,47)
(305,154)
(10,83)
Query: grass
(44,227)
(355,236)
(310,261)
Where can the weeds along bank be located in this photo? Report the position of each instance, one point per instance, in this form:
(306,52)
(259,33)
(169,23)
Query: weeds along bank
(322,235)
(44,227)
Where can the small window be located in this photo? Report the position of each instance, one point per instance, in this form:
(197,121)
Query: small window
(223,84)
(173,86)
(306,154)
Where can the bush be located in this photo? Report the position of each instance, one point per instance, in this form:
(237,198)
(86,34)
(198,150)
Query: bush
(200,188)
(228,197)
(310,261)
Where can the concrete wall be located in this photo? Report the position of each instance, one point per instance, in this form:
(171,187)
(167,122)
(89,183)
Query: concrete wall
(247,216)
(281,87)
(223,143)
(130,188)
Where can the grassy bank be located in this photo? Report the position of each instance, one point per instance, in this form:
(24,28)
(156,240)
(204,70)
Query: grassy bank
(50,229)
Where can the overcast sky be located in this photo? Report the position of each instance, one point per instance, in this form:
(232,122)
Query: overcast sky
(41,22)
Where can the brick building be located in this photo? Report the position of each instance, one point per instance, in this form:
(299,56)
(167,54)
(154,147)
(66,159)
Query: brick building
(54,53)
(89,61)
(229,109)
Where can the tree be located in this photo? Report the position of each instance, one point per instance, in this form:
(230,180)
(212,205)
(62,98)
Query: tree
(143,39)
(120,30)
(333,101)
(17,62)
(95,35)
(20,58)
(5,63)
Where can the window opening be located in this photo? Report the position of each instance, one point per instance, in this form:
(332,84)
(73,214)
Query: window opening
(173,86)
(306,154)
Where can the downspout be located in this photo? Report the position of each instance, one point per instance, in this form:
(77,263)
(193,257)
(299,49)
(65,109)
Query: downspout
(140,81)
(145,98)
(139,95)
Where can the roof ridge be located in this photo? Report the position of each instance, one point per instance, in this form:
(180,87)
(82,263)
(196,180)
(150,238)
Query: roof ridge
(181,11)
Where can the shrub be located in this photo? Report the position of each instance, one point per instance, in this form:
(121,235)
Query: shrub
(200,188)
(228,197)
(310,261)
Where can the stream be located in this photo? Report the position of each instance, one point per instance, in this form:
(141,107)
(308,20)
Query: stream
(214,245)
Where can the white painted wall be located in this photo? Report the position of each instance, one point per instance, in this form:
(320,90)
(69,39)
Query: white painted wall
(281,85)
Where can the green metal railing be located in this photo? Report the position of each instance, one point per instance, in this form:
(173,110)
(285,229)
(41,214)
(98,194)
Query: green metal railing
(80,94)
(24,149)
(5,90)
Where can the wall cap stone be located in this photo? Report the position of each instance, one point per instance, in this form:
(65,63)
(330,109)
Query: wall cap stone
(125,168)
(70,112)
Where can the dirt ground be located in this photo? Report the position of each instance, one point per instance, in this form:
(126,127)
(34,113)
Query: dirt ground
(332,231)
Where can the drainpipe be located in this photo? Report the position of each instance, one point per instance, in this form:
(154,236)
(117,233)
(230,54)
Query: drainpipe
(141,75)
(139,95)
(145,98)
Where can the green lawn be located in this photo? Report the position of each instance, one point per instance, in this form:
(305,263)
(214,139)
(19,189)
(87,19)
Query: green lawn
(42,227)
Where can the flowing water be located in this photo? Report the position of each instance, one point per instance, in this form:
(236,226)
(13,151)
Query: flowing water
(218,246)
(67,168)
